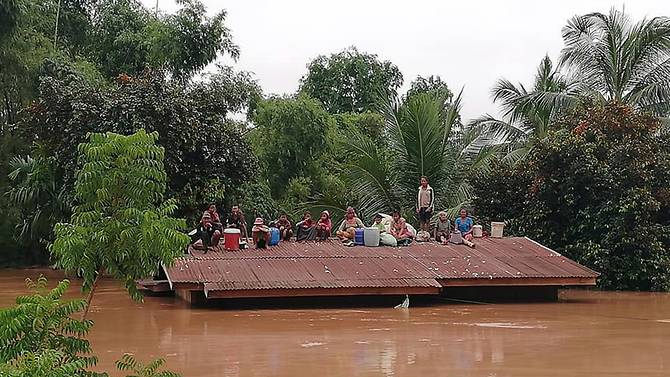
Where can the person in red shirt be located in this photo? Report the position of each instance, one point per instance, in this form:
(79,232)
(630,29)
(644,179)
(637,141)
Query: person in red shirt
(324,226)
(214,216)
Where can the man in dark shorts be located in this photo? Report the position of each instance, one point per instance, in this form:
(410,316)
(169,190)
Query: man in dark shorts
(236,220)
(425,202)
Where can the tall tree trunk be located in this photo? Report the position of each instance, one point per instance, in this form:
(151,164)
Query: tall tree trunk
(90,295)
(56,26)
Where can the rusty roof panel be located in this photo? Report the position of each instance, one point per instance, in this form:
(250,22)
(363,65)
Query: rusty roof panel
(380,283)
(329,264)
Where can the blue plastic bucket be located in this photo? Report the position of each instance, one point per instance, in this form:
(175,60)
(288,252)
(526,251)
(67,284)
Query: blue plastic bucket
(359,239)
(274,237)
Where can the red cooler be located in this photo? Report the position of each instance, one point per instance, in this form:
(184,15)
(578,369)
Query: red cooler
(231,239)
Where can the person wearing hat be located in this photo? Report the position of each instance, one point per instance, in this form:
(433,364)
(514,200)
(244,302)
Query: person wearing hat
(208,234)
(260,233)
(323,226)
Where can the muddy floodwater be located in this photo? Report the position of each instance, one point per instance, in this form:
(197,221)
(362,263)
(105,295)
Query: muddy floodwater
(587,333)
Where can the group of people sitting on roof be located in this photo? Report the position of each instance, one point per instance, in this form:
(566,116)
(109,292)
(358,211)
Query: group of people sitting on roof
(393,230)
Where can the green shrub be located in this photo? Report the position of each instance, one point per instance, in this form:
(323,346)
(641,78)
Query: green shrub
(597,190)
(43,322)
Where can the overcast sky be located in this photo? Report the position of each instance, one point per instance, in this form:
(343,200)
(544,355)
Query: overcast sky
(469,43)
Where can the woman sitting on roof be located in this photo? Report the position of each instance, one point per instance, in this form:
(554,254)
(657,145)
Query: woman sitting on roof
(464,225)
(323,226)
(306,229)
(347,229)
(400,232)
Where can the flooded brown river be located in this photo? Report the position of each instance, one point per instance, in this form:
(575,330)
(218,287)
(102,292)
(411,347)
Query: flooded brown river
(587,333)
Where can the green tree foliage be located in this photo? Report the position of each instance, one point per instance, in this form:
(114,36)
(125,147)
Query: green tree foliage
(598,192)
(43,202)
(369,123)
(502,195)
(46,363)
(350,81)
(10,11)
(203,149)
(606,57)
(129,363)
(290,139)
(12,253)
(431,84)
(42,322)
(129,38)
(121,37)
(616,59)
(22,50)
(122,226)
(424,140)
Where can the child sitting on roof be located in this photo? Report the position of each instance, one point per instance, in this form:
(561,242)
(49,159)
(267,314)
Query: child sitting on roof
(377,223)
(323,226)
(260,234)
(385,238)
(285,227)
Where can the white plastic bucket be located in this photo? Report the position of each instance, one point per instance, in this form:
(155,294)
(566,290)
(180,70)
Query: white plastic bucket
(371,237)
(477,231)
(497,229)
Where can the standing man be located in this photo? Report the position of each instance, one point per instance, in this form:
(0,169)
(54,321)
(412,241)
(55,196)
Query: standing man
(236,220)
(425,202)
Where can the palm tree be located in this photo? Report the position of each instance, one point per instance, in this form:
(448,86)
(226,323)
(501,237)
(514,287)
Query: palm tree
(527,114)
(425,138)
(617,60)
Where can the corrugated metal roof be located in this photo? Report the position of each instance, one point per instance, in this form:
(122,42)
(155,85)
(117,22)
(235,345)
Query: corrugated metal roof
(329,264)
